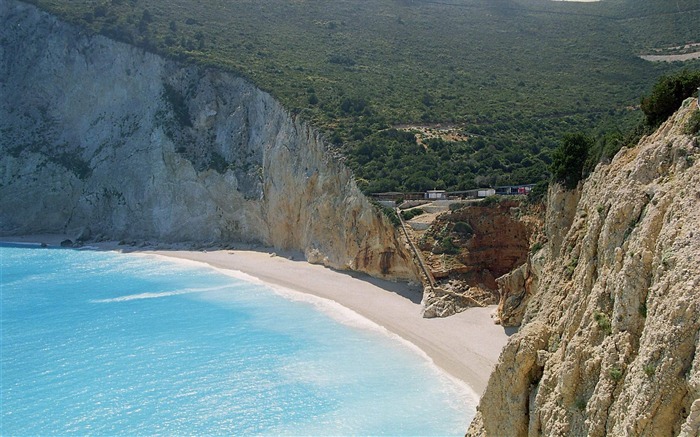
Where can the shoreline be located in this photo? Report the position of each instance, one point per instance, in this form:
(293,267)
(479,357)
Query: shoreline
(466,346)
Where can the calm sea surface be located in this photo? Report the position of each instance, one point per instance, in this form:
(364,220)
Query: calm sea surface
(106,343)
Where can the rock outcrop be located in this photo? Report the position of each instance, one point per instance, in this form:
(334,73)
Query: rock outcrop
(514,288)
(467,248)
(609,343)
(102,139)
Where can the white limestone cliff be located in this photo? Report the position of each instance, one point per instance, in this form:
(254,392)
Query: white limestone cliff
(103,139)
(610,337)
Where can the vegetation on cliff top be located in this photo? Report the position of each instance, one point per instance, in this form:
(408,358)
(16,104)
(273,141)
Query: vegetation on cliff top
(569,159)
(668,94)
(509,76)
(577,154)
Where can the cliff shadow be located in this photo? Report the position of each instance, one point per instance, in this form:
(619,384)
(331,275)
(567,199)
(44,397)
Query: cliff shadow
(412,292)
(511,330)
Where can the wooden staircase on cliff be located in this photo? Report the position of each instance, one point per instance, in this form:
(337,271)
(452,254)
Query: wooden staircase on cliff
(427,277)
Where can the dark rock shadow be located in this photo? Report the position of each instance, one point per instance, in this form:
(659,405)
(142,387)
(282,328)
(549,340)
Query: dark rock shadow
(412,292)
(511,330)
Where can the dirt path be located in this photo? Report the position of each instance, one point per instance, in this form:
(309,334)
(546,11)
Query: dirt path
(671,58)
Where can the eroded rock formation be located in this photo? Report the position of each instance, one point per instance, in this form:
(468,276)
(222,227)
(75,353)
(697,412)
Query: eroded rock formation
(609,343)
(469,247)
(101,139)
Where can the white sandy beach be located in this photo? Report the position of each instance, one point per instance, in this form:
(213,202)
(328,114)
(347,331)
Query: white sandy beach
(466,345)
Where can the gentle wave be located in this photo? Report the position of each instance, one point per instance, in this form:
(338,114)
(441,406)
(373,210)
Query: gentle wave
(149,295)
(346,316)
(337,312)
(175,261)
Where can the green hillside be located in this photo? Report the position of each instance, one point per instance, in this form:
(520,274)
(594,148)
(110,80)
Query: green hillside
(511,76)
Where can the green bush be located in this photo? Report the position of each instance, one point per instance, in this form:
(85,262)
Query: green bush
(178,103)
(692,126)
(463,229)
(74,162)
(492,200)
(571,267)
(649,369)
(569,159)
(668,94)
(603,322)
(409,214)
(604,149)
(615,373)
(642,309)
(390,213)
(218,163)
(448,246)
(393,217)
(538,193)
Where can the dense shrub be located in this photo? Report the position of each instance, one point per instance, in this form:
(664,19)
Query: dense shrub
(463,228)
(390,213)
(218,163)
(569,159)
(366,73)
(492,200)
(668,94)
(357,105)
(538,193)
(616,373)
(603,322)
(409,214)
(446,245)
(178,103)
(341,60)
(74,162)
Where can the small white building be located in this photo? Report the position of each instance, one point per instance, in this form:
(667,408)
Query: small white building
(436,194)
(486,192)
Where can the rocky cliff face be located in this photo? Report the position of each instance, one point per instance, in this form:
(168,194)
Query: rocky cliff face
(609,343)
(105,140)
(467,248)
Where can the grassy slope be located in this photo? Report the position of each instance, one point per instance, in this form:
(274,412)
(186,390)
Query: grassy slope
(515,74)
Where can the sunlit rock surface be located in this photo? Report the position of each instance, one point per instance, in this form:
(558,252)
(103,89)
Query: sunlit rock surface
(609,338)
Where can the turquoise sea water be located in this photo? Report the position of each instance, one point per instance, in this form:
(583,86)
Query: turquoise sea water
(104,343)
